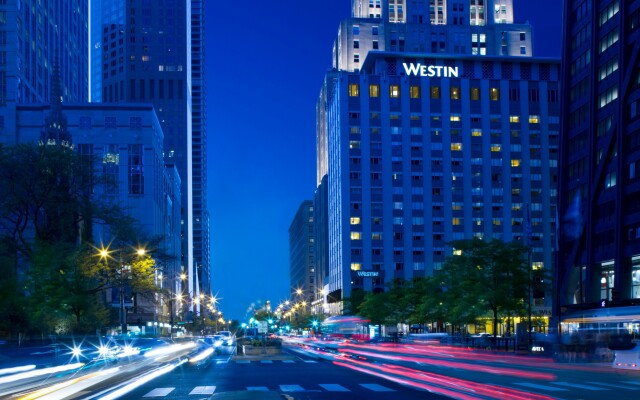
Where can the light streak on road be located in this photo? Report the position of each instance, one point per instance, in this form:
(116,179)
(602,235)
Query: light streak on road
(168,350)
(15,370)
(201,356)
(40,372)
(137,382)
(441,384)
(64,389)
(459,364)
(432,389)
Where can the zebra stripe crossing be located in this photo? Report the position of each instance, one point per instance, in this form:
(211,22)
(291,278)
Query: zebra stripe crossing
(288,388)
(552,387)
(567,386)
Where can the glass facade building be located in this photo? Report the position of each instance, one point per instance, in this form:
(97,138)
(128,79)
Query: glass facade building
(599,185)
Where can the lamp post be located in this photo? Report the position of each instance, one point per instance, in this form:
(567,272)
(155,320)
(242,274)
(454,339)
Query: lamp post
(104,254)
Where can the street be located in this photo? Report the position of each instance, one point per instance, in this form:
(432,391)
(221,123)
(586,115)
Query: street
(314,369)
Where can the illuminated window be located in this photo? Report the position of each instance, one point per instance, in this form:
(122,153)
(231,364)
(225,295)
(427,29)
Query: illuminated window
(355,220)
(394,91)
(456,146)
(435,92)
(145,58)
(374,90)
(515,163)
(494,94)
(356,235)
(455,118)
(354,144)
(495,148)
(455,93)
(537,266)
(356,266)
(414,92)
(457,252)
(514,119)
(456,221)
(475,93)
(354,90)
(534,119)
(497,221)
(476,132)
(376,236)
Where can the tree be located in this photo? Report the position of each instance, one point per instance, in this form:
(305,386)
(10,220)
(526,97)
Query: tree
(486,276)
(47,213)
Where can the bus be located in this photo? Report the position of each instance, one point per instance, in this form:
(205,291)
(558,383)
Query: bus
(349,327)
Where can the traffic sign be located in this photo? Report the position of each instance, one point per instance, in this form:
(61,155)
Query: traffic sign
(262,326)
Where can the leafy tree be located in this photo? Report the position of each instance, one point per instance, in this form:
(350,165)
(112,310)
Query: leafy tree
(47,265)
(351,304)
(486,276)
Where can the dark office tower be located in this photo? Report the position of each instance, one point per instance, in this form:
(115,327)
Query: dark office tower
(31,34)
(302,270)
(151,51)
(599,188)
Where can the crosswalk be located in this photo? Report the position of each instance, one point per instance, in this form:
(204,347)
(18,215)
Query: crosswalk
(553,388)
(284,388)
(559,386)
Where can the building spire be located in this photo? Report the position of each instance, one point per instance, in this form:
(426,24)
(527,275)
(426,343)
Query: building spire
(55,131)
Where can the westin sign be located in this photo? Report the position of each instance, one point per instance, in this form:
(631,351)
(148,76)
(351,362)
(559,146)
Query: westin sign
(430,70)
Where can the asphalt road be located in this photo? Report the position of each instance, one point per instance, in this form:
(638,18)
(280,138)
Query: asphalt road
(297,377)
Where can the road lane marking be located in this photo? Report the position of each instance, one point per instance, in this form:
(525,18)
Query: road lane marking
(332,387)
(291,388)
(632,382)
(243,362)
(222,362)
(310,361)
(542,387)
(376,388)
(203,390)
(159,392)
(612,385)
(288,361)
(266,362)
(258,388)
(578,386)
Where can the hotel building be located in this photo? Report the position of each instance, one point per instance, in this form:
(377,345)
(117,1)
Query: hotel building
(598,267)
(449,134)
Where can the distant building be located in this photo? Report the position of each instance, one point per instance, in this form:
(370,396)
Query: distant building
(301,255)
(150,51)
(598,267)
(321,303)
(125,140)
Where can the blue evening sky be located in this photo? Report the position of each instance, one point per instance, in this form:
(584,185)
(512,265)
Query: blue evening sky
(265,63)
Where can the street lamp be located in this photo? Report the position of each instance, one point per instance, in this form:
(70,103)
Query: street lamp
(104,254)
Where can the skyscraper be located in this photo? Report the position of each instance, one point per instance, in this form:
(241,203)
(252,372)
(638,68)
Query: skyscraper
(476,27)
(301,254)
(31,35)
(598,263)
(425,147)
(152,51)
